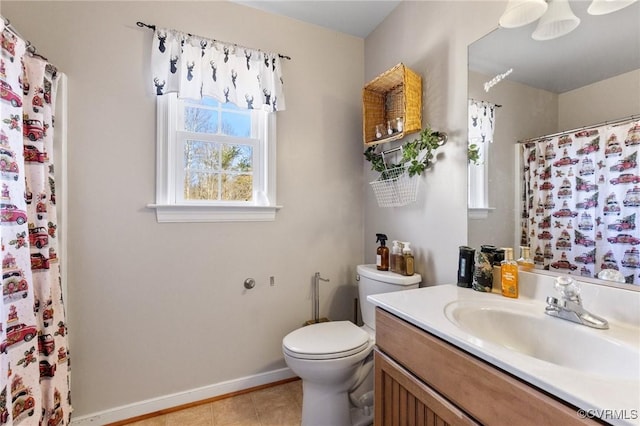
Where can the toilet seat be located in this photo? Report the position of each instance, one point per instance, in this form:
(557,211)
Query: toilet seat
(328,340)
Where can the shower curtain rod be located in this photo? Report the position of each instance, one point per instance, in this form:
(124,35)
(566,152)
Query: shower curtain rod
(153,27)
(577,129)
(31,49)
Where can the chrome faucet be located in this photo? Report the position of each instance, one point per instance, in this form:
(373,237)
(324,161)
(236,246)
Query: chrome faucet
(570,306)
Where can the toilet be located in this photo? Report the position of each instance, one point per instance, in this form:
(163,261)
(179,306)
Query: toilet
(335,359)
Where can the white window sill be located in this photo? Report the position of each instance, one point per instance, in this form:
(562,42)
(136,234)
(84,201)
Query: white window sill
(479,212)
(203,213)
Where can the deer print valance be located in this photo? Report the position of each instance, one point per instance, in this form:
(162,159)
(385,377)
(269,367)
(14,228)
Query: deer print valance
(194,67)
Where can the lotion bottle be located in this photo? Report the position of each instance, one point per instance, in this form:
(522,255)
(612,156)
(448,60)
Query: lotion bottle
(509,274)
(382,253)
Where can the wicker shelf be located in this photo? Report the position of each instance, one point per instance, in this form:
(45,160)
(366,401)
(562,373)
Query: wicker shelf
(396,93)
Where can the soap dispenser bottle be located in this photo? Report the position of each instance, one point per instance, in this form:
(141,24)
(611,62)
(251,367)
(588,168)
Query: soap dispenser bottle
(509,274)
(525,263)
(400,265)
(409,265)
(382,253)
(395,251)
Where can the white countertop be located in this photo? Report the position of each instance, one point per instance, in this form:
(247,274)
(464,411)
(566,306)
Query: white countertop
(425,308)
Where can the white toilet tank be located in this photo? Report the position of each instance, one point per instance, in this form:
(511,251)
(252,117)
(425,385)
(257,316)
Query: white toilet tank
(372,281)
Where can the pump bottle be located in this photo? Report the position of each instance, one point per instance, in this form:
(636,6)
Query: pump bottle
(409,264)
(525,263)
(400,266)
(393,259)
(382,253)
(509,274)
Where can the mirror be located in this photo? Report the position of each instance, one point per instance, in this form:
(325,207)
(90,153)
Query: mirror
(554,86)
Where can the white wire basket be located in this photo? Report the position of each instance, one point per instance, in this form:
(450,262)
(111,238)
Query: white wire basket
(394,187)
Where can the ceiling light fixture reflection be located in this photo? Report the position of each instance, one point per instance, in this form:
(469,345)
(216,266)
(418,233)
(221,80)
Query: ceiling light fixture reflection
(556,17)
(522,12)
(495,80)
(559,20)
(602,7)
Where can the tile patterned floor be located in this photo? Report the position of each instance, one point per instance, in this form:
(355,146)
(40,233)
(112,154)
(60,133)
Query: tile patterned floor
(275,406)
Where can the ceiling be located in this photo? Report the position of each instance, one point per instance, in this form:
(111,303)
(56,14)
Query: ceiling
(355,17)
(575,60)
(601,47)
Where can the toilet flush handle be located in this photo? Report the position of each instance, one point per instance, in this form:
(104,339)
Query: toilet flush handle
(318,277)
(249,283)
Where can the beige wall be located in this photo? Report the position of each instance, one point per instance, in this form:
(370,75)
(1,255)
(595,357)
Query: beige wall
(431,37)
(617,97)
(156,309)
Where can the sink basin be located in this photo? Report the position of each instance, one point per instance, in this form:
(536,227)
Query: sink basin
(523,327)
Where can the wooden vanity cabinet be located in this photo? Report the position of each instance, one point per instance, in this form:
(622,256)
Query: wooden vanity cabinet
(422,380)
(401,399)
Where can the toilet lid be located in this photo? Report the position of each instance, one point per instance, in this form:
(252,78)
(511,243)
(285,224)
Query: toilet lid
(326,340)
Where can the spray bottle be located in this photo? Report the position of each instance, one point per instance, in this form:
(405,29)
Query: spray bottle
(382,253)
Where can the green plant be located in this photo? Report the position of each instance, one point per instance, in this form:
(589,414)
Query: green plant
(473,154)
(417,155)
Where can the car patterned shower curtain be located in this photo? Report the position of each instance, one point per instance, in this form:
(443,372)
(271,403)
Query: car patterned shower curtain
(34,356)
(581,200)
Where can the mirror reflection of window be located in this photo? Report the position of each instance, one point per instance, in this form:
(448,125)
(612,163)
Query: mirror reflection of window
(481,128)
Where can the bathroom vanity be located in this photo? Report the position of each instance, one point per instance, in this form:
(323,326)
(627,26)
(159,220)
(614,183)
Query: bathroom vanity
(446,355)
(411,364)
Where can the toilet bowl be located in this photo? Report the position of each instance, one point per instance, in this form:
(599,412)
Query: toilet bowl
(335,359)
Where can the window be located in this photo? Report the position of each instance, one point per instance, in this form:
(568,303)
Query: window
(478,178)
(481,130)
(215,162)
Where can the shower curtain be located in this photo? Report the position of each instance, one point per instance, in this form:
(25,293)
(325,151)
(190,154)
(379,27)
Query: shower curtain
(34,356)
(581,200)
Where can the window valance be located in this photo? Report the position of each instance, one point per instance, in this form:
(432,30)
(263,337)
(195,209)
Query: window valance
(194,67)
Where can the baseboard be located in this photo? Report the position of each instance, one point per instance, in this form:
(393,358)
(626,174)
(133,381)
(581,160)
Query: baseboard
(182,398)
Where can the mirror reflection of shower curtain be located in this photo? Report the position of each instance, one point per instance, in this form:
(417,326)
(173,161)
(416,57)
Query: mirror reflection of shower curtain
(581,200)
(34,355)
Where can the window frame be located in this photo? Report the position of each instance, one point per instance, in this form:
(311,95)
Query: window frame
(478,184)
(171,208)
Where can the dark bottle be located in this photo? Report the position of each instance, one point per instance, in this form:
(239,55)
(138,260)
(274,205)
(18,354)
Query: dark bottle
(465,266)
(382,253)
(498,257)
(483,269)
(489,250)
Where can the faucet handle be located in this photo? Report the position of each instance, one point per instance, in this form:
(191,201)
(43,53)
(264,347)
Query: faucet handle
(568,288)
